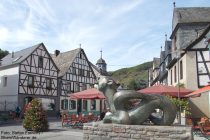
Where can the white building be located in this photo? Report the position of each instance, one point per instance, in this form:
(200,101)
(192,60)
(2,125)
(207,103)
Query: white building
(76,74)
(27,74)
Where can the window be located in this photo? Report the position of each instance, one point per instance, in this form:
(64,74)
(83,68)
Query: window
(72,104)
(68,87)
(181,70)
(88,73)
(5,81)
(64,104)
(74,70)
(80,55)
(81,72)
(30,80)
(175,74)
(48,83)
(40,62)
(84,86)
(93,105)
(77,87)
(84,105)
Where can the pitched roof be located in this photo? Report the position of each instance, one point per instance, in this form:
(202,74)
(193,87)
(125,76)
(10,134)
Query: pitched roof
(18,57)
(191,15)
(202,35)
(64,60)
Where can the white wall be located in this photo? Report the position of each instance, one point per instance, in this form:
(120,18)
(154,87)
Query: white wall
(191,71)
(200,106)
(9,93)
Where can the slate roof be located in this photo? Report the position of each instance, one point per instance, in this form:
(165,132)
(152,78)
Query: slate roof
(202,35)
(191,15)
(95,68)
(19,56)
(162,56)
(168,45)
(64,60)
(101,61)
(156,62)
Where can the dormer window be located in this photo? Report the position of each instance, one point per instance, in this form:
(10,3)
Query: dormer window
(16,59)
(40,62)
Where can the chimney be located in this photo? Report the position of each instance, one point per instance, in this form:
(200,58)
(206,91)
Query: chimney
(12,54)
(57,52)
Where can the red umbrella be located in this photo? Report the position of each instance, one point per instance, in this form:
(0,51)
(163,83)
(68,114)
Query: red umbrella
(91,93)
(198,92)
(166,90)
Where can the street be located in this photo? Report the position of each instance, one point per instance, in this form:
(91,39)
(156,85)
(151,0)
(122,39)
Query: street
(56,131)
(15,130)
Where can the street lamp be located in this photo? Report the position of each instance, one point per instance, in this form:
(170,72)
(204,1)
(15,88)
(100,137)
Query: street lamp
(178,56)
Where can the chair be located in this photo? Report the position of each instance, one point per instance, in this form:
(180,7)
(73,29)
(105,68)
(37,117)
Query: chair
(203,128)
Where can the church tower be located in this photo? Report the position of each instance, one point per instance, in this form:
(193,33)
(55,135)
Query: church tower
(101,64)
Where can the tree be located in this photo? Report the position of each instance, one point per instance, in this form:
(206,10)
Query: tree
(35,117)
(3,53)
(181,103)
(137,84)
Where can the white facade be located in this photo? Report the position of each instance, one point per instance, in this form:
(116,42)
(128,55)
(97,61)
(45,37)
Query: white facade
(9,88)
(30,67)
(184,72)
(200,106)
(27,74)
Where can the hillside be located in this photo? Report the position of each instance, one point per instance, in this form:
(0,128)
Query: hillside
(134,77)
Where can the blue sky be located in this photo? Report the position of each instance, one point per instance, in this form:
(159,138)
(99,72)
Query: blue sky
(129,32)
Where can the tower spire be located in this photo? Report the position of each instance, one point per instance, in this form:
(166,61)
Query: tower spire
(101,53)
(166,36)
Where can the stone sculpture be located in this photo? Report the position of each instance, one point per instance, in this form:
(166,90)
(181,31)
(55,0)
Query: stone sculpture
(121,115)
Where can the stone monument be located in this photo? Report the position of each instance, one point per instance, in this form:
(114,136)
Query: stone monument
(122,122)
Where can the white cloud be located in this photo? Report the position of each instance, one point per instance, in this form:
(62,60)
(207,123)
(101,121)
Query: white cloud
(4,35)
(128,32)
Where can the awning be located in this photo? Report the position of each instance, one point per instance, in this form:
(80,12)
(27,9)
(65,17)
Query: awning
(91,93)
(166,90)
(198,92)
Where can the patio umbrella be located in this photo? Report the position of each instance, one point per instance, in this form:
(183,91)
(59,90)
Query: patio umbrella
(91,93)
(166,90)
(198,92)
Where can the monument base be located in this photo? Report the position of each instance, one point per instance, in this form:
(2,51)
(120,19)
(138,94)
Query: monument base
(100,131)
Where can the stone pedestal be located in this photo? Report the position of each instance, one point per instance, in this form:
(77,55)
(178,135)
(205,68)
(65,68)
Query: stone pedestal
(100,131)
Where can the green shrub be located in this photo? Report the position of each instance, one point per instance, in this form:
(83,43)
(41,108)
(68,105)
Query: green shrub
(35,117)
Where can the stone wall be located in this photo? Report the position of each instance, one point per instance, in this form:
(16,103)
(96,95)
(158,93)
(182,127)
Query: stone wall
(100,131)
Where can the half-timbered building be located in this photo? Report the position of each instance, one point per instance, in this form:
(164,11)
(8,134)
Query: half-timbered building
(76,74)
(190,55)
(27,74)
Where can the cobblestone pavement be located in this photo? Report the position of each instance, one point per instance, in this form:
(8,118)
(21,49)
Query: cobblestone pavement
(57,132)
(15,130)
